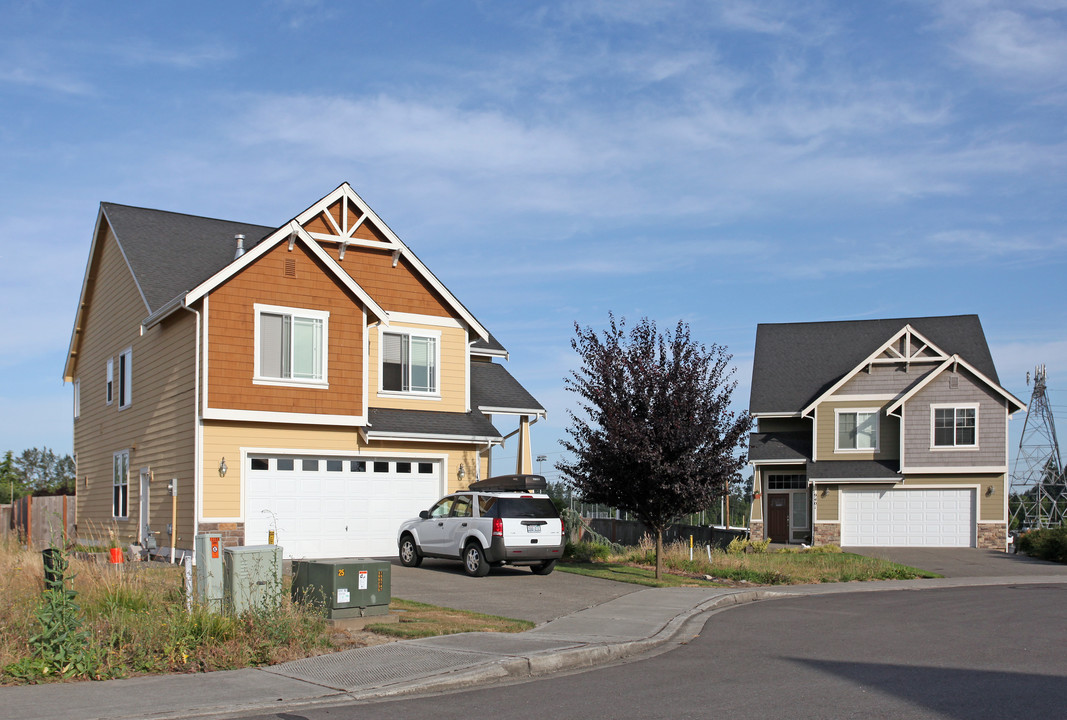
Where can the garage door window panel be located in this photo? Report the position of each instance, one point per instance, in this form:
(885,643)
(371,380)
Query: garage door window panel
(291,346)
(857,430)
(954,426)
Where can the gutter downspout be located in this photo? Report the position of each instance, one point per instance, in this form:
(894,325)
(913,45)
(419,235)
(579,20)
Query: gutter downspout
(198,429)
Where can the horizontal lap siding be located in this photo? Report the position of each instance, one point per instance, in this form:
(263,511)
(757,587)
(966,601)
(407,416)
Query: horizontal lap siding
(231,329)
(453,372)
(157,427)
(888,432)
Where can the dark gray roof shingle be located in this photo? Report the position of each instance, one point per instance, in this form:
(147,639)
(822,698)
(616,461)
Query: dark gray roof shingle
(855,470)
(492,386)
(794,363)
(430,422)
(171,253)
(779,446)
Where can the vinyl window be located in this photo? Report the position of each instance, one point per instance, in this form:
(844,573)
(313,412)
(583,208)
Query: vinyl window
(109,392)
(291,345)
(857,429)
(125,378)
(410,363)
(120,485)
(955,426)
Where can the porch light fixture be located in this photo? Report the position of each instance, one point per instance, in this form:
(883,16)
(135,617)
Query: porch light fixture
(461,473)
(825,491)
(990,490)
(222,467)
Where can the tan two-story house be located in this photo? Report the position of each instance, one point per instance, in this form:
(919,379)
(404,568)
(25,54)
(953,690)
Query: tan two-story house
(312,382)
(879,433)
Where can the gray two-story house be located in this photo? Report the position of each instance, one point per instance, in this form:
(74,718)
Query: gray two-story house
(880,433)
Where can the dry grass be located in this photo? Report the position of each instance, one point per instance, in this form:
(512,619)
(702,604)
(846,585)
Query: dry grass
(792,567)
(420,620)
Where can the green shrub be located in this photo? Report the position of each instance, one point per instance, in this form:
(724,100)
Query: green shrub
(585,551)
(740,545)
(1045,544)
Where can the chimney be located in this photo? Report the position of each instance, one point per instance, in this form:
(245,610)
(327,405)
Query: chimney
(240,246)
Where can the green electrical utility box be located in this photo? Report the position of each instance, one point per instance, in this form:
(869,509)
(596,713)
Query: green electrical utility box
(252,577)
(346,587)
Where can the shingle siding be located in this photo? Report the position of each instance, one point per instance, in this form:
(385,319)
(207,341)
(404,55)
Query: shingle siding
(992,424)
(884,380)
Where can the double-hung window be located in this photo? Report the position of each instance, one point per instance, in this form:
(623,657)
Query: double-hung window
(409,362)
(120,485)
(857,429)
(955,426)
(291,345)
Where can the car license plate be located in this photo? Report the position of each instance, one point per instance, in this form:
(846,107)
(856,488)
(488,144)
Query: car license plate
(534,528)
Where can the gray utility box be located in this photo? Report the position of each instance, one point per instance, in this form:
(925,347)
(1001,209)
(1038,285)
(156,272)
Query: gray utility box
(252,577)
(209,585)
(346,587)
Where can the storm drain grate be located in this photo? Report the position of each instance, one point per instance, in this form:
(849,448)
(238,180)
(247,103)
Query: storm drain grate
(370,667)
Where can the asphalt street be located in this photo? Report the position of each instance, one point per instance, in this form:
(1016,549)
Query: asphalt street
(963,652)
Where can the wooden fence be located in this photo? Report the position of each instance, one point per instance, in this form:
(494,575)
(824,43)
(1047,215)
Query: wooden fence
(629,532)
(43,521)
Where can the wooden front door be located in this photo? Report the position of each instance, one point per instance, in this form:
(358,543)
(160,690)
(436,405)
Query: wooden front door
(778,518)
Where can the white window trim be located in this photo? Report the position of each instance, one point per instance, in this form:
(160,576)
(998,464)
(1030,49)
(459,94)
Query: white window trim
(114,459)
(126,383)
(410,332)
(109,387)
(77,398)
(877,412)
(323,315)
(934,407)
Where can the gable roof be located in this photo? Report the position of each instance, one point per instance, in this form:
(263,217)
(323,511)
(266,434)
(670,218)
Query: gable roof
(495,391)
(170,253)
(795,363)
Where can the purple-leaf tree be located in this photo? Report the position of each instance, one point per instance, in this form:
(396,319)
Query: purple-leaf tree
(654,435)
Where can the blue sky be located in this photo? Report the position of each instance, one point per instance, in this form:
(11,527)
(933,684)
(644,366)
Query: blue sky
(722,163)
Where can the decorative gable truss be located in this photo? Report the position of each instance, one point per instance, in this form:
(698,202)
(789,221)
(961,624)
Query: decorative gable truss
(906,348)
(342,217)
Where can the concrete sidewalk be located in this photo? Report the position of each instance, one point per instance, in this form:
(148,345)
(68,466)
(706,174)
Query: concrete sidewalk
(636,623)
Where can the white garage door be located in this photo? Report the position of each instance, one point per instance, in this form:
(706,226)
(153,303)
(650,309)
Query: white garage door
(902,518)
(323,507)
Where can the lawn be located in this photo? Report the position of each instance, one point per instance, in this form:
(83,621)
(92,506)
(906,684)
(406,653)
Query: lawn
(127,620)
(758,566)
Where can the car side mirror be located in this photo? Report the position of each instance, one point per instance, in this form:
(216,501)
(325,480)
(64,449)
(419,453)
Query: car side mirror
(425,514)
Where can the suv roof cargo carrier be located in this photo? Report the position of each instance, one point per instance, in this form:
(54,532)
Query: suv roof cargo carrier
(511,483)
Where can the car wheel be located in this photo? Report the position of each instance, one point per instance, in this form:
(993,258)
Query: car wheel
(474,560)
(409,552)
(544,568)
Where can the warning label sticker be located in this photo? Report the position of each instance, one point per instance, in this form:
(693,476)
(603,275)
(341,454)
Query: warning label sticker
(362,579)
(343,596)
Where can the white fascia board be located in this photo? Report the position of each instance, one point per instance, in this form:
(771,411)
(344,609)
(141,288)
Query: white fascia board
(284,417)
(858,481)
(163,313)
(431,320)
(281,234)
(796,461)
(776,415)
(372,435)
(951,361)
(539,412)
(404,250)
(957,470)
(869,360)
(488,352)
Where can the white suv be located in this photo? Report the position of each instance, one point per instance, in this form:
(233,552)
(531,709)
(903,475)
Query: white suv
(499,521)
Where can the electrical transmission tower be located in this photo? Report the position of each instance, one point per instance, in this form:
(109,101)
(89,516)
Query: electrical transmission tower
(1038,495)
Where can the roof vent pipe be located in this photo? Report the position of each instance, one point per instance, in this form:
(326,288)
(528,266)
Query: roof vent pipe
(240,246)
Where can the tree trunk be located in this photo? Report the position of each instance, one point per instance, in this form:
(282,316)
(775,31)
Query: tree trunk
(659,553)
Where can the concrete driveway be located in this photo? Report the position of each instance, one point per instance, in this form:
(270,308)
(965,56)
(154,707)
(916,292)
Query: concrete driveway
(964,562)
(512,592)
